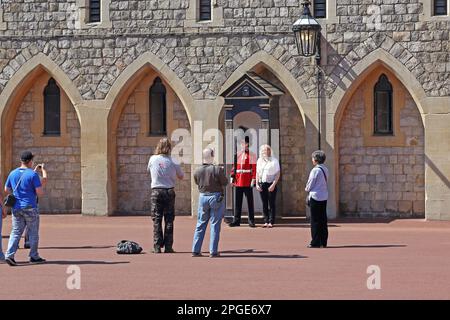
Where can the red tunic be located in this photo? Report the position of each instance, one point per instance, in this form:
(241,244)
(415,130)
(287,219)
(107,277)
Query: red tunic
(246,169)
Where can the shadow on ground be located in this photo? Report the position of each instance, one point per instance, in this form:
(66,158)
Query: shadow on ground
(71,262)
(368,246)
(251,253)
(77,248)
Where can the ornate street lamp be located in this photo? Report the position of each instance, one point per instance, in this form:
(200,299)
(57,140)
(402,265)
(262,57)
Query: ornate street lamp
(307,36)
(307,32)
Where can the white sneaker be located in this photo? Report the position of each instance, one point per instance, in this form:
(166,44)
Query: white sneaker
(265,225)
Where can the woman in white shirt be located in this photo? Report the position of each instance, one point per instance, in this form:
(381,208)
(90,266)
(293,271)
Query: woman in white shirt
(267,176)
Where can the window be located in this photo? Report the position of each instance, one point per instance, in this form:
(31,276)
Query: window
(52,108)
(205,10)
(158,108)
(383,106)
(320,8)
(94,11)
(204,14)
(440,7)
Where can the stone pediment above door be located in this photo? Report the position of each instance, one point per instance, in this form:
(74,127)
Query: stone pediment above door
(251,86)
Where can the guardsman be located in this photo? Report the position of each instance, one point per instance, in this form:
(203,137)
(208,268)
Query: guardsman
(244,177)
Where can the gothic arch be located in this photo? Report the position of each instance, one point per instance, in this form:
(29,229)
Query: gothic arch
(116,100)
(131,75)
(15,90)
(24,76)
(352,82)
(278,69)
(364,67)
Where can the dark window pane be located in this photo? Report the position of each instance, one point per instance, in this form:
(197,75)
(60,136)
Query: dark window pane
(52,109)
(157,108)
(440,7)
(320,8)
(94,10)
(205,10)
(383,111)
(383,106)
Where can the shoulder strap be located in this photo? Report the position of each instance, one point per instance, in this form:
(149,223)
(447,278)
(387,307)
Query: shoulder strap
(326,180)
(20,180)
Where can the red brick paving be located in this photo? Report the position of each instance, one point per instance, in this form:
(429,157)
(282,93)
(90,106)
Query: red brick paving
(414,257)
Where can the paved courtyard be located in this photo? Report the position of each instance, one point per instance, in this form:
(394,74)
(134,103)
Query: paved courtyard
(413,256)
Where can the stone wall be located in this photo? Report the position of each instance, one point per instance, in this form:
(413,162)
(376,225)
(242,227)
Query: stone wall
(292,149)
(292,154)
(63,190)
(133,181)
(381,180)
(205,57)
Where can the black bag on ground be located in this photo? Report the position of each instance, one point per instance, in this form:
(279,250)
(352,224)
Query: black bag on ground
(128,247)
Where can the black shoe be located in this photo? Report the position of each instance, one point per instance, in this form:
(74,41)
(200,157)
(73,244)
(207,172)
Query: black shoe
(169,250)
(37,260)
(252,225)
(156,249)
(11,262)
(214,255)
(196,254)
(234,224)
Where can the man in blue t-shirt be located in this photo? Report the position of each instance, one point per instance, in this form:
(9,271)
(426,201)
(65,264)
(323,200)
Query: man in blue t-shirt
(26,186)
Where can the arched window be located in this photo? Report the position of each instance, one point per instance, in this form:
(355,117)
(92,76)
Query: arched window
(320,8)
(440,7)
(52,108)
(94,10)
(205,10)
(383,106)
(158,108)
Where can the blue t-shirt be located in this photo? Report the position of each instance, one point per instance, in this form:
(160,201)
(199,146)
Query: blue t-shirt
(26,191)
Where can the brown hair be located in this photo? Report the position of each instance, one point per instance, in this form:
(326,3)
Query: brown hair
(164,146)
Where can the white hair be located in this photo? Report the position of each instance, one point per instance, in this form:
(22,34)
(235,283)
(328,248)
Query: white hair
(265,146)
(208,155)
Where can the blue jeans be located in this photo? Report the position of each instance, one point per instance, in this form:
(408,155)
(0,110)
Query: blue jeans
(209,209)
(22,218)
(2,256)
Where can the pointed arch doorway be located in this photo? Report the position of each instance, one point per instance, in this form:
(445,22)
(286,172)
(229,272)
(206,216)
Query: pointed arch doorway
(248,113)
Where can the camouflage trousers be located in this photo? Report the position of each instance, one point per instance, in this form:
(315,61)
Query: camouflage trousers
(163,206)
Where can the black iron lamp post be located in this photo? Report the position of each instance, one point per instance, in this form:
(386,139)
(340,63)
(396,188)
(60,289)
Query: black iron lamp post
(307,36)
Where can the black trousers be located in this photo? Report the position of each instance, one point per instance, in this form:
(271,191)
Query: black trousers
(269,202)
(163,206)
(319,223)
(248,191)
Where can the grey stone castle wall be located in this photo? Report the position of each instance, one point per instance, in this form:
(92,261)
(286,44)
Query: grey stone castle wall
(205,57)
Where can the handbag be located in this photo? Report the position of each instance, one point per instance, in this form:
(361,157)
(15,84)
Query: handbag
(10,199)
